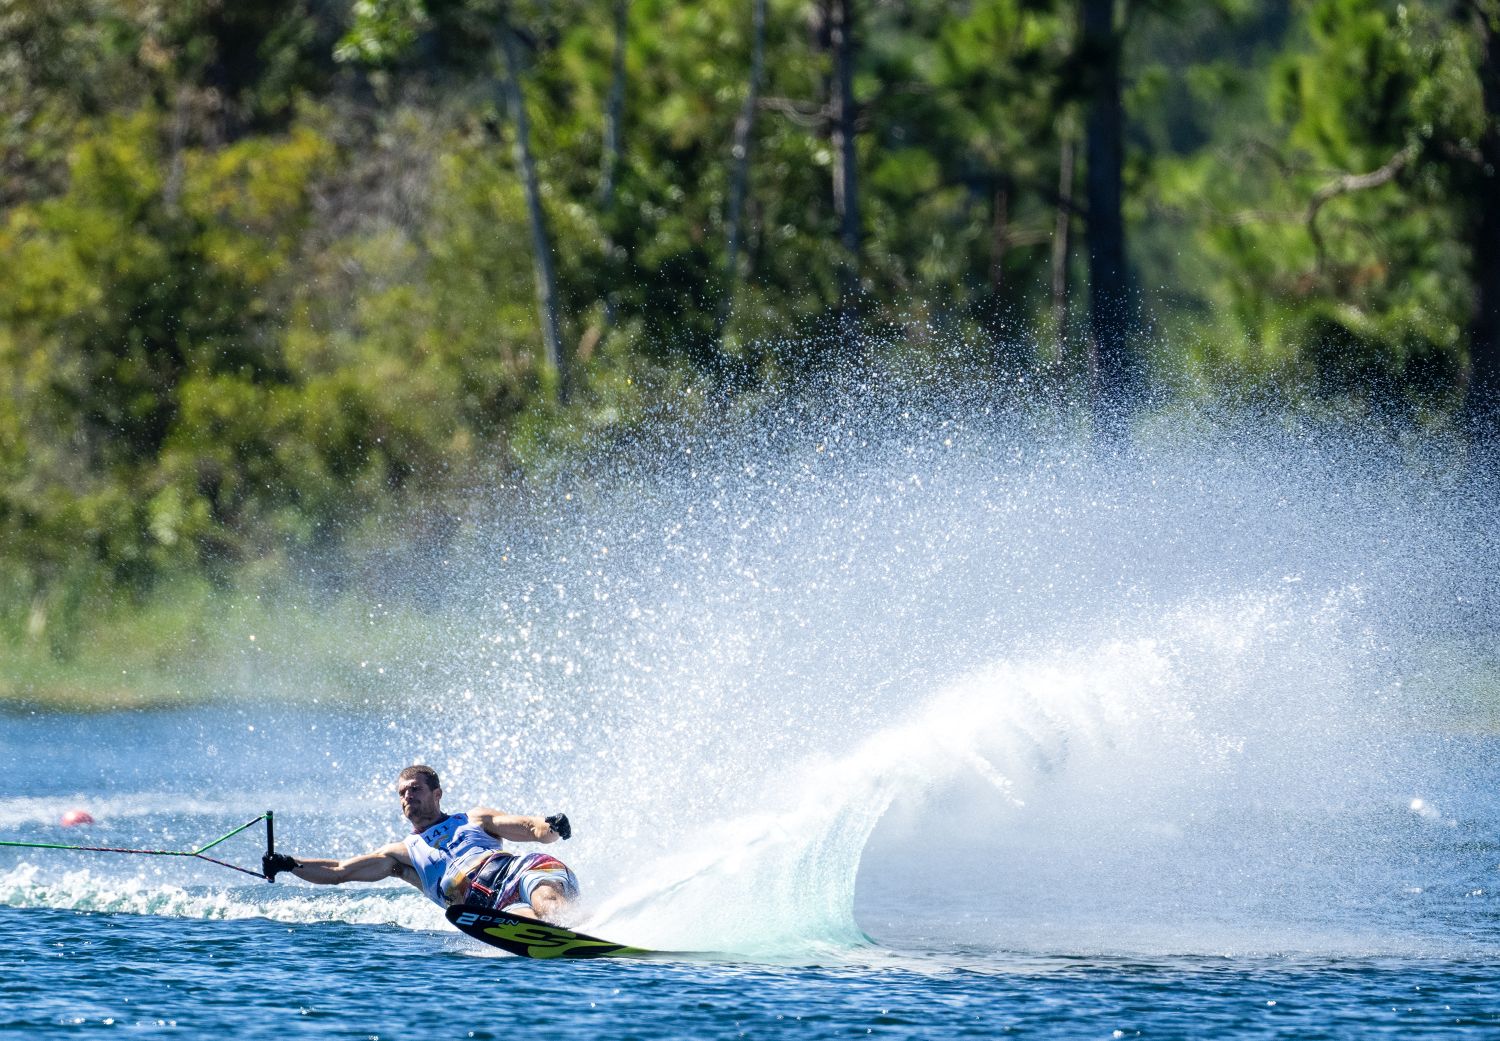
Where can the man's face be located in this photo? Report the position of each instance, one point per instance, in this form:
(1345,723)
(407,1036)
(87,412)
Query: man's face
(418,801)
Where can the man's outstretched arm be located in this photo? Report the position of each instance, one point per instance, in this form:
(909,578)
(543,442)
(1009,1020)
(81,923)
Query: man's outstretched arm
(517,828)
(367,867)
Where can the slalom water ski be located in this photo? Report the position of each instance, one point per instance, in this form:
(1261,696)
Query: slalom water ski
(530,938)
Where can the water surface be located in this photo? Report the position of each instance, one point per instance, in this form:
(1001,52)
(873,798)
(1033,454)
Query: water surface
(939,727)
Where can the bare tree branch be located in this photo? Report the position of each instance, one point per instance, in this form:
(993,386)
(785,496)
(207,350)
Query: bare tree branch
(1346,184)
(800,112)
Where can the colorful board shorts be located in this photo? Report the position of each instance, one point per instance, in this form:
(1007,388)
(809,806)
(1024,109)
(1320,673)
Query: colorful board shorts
(506,879)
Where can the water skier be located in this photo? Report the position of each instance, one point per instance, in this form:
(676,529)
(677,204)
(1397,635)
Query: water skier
(455,858)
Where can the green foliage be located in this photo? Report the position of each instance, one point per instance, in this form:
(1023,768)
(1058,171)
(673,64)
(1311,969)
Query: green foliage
(1326,245)
(270,275)
(195,642)
(382,31)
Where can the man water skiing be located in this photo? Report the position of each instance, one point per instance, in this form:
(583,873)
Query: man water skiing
(455,858)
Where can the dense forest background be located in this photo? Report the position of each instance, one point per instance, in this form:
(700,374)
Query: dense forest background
(275,270)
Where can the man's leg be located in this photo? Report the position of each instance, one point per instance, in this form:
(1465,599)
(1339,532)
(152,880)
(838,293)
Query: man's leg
(549,886)
(548,901)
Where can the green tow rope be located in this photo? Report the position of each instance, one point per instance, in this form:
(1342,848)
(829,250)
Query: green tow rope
(196,853)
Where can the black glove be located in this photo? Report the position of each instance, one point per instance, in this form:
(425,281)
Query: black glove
(558,822)
(271,863)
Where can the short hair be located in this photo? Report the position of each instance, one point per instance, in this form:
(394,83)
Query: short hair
(426,773)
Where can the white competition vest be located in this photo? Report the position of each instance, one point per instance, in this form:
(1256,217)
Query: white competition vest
(447,855)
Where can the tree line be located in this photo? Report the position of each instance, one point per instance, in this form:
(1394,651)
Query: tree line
(278,266)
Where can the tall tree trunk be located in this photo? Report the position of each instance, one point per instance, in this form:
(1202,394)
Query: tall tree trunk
(845,176)
(1111,307)
(172,190)
(614,115)
(1484,331)
(614,111)
(1062,250)
(999,237)
(994,316)
(541,244)
(739,178)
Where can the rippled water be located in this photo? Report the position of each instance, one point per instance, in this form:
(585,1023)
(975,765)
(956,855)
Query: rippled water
(937,727)
(265,979)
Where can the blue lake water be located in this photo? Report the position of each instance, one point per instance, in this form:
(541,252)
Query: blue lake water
(1016,947)
(940,732)
(84,972)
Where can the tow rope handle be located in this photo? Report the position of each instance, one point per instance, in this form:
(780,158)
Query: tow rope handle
(270,839)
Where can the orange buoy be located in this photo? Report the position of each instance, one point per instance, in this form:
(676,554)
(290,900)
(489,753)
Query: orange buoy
(73,818)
